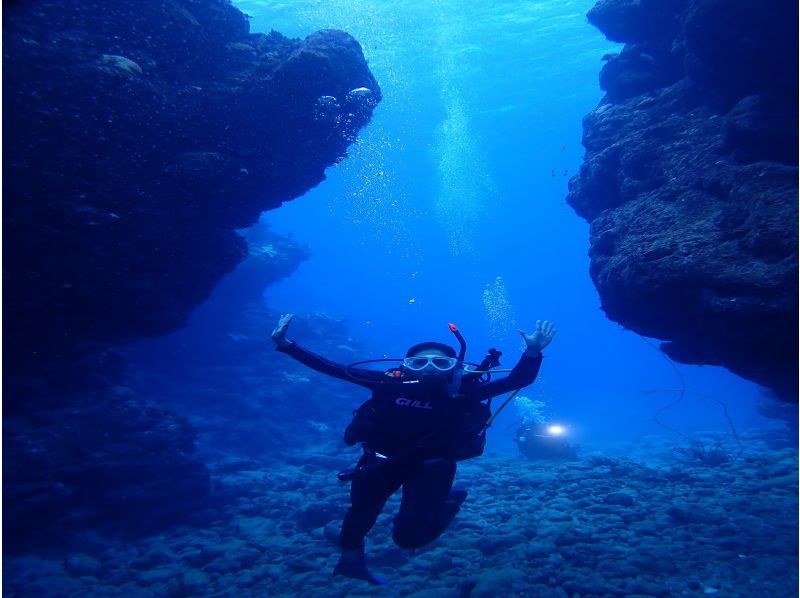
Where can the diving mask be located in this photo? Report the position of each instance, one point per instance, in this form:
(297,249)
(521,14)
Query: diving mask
(420,362)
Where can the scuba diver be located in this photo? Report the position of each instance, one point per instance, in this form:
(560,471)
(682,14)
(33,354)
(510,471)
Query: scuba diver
(543,441)
(422,417)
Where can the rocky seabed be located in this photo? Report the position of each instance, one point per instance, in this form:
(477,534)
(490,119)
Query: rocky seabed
(631,520)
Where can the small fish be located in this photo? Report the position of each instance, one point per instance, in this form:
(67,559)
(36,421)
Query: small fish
(319,426)
(120,63)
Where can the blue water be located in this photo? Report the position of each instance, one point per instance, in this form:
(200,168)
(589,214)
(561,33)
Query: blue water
(209,467)
(451,207)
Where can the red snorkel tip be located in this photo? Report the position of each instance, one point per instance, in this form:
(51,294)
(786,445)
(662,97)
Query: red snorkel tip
(454,329)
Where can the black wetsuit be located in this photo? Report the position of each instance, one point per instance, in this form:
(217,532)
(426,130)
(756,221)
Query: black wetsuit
(424,431)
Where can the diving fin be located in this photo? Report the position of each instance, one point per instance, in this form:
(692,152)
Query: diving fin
(353,564)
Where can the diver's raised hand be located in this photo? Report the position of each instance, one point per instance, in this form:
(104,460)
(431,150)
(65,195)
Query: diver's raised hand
(540,338)
(279,334)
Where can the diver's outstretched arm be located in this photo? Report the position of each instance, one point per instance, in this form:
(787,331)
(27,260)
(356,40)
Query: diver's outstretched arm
(522,375)
(540,338)
(368,378)
(279,334)
(527,368)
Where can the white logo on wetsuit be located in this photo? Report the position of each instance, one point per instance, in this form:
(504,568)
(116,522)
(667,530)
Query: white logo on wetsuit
(403,402)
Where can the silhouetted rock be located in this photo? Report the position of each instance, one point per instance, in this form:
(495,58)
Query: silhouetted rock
(690,182)
(633,21)
(115,463)
(139,137)
(759,128)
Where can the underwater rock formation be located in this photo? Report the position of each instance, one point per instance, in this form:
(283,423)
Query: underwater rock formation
(223,371)
(109,461)
(689,182)
(139,137)
(104,448)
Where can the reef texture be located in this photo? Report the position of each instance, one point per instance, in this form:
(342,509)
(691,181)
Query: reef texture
(690,181)
(138,138)
(599,526)
(111,461)
(103,450)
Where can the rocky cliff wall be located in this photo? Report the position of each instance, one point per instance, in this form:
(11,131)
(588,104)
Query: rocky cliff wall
(690,181)
(138,137)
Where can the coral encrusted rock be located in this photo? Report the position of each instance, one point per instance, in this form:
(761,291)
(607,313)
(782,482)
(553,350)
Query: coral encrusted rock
(690,181)
(138,138)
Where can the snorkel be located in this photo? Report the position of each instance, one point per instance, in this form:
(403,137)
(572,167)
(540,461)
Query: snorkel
(461,342)
(458,371)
